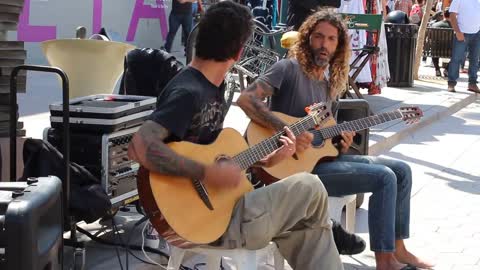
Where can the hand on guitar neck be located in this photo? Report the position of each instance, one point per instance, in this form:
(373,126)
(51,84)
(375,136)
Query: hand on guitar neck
(288,148)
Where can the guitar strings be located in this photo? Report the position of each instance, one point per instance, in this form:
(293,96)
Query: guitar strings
(247,157)
(330,132)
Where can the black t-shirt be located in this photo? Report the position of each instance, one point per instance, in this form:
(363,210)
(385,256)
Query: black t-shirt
(191,108)
(179,8)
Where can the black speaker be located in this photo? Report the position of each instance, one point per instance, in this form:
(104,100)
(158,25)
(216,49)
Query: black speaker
(31,229)
(352,109)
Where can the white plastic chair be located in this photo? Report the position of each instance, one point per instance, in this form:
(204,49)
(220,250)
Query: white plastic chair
(335,208)
(243,259)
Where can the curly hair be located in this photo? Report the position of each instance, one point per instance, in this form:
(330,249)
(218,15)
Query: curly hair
(339,64)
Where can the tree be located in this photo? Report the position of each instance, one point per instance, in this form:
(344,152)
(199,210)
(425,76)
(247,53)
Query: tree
(421,38)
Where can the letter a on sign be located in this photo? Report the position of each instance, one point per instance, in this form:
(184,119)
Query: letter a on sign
(142,11)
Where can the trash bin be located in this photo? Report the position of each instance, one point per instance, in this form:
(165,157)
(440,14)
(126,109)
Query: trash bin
(401,43)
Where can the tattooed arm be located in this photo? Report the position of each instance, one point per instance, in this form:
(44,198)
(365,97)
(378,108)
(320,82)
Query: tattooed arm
(251,102)
(148,149)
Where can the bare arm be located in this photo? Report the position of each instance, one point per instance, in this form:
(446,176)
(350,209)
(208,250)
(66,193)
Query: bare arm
(454,22)
(148,149)
(251,102)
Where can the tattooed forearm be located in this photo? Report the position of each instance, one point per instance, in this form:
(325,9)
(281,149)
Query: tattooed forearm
(251,101)
(262,115)
(147,148)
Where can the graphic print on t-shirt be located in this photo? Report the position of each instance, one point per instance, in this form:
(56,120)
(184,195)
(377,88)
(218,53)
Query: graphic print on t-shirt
(207,123)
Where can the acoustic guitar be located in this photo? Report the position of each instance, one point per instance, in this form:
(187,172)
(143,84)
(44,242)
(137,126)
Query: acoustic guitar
(323,147)
(187,213)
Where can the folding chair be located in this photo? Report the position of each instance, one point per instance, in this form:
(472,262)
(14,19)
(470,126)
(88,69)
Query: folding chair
(371,23)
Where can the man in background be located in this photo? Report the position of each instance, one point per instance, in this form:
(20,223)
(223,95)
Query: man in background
(466,24)
(181,15)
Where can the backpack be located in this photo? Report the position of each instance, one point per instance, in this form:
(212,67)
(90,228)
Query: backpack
(88,200)
(147,71)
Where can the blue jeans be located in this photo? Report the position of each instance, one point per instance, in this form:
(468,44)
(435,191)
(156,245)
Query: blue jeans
(174,22)
(389,181)
(472,44)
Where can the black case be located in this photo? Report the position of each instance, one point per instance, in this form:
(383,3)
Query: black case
(31,228)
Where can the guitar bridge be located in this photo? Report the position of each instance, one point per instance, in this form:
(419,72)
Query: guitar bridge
(202,192)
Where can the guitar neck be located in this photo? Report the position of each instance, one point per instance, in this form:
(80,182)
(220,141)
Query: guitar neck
(360,124)
(257,152)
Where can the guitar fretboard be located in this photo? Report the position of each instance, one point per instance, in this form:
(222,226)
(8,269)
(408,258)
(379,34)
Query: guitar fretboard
(257,152)
(359,124)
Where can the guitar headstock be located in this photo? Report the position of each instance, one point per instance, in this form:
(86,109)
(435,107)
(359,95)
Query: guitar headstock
(319,112)
(411,114)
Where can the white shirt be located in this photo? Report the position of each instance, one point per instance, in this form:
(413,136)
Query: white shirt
(468,16)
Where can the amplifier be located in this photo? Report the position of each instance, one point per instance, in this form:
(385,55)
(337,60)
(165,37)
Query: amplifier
(105,156)
(31,228)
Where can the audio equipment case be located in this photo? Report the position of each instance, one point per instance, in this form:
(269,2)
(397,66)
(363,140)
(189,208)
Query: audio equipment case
(103,113)
(31,224)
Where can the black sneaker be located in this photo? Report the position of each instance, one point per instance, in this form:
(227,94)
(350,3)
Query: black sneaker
(347,243)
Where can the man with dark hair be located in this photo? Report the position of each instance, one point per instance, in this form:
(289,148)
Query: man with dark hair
(293,212)
(323,46)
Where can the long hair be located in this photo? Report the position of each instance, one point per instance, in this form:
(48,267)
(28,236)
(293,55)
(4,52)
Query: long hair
(339,64)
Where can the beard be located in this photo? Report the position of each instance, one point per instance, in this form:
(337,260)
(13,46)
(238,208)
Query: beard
(321,57)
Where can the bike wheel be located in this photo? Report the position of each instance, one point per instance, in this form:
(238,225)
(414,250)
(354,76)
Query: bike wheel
(260,29)
(190,48)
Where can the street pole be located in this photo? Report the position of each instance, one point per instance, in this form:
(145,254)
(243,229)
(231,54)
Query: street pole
(421,38)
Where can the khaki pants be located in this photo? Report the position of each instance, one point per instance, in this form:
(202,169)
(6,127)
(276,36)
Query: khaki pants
(292,213)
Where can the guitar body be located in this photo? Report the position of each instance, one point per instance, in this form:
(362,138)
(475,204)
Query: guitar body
(179,214)
(306,160)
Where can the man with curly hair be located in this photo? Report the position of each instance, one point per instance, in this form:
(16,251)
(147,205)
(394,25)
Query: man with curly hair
(301,80)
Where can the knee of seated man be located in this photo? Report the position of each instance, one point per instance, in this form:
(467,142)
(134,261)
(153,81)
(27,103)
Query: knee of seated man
(388,177)
(310,183)
(404,169)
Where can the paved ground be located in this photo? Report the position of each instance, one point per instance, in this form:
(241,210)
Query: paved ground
(441,149)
